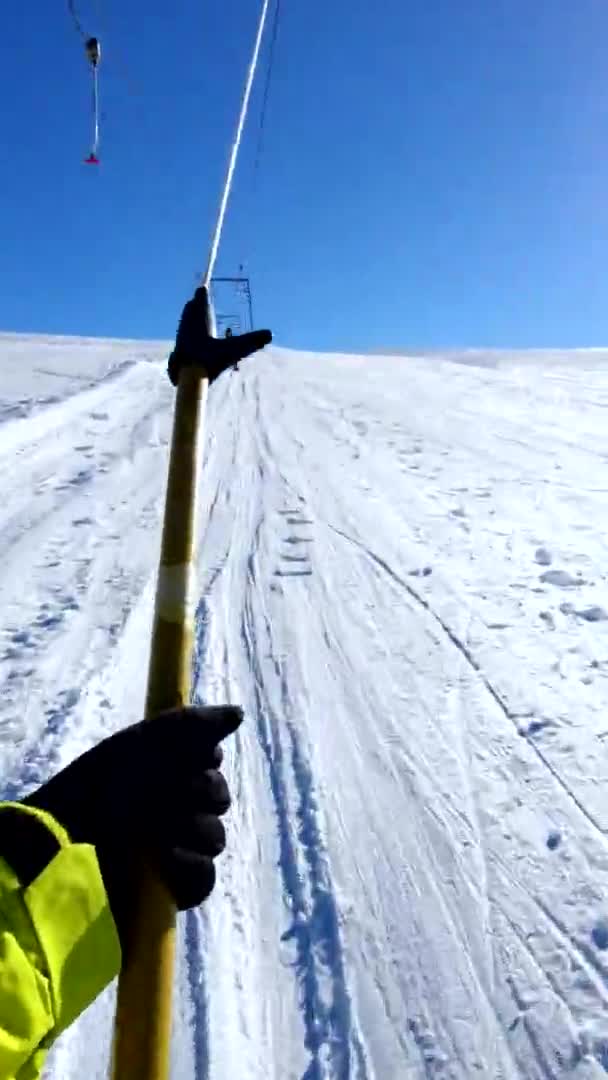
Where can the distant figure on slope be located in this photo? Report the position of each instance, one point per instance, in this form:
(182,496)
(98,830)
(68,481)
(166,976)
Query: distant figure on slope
(229,335)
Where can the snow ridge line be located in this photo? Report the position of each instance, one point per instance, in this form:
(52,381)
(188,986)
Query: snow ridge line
(329,1035)
(475,665)
(568,790)
(456,641)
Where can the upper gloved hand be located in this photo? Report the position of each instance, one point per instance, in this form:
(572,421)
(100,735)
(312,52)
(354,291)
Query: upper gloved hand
(196,347)
(152,791)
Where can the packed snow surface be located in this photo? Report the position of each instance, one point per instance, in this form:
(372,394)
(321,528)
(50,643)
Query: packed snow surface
(403,579)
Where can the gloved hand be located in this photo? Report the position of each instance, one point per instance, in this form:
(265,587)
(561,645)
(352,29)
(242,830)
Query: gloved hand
(195,346)
(151,791)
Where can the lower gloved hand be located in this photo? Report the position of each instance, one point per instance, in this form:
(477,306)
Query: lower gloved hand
(153,792)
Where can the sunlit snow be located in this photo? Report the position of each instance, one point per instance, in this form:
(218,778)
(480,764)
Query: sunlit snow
(403,579)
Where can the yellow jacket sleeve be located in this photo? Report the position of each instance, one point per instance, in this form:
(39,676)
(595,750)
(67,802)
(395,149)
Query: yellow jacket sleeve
(58,948)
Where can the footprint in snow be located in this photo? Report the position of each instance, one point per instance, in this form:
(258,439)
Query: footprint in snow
(49,622)
(561,578)
(595,613)
(554,839)
(543,556)
(599,934)
(433,1057)
(534,727)
(58,714)
(83,476)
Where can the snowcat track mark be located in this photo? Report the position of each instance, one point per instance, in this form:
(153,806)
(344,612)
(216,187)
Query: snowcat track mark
(330,1035)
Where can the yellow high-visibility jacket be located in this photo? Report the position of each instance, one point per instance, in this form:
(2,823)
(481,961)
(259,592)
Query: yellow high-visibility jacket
(58,946)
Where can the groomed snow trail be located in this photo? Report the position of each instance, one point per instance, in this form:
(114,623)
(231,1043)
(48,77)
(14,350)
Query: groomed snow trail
(402,579)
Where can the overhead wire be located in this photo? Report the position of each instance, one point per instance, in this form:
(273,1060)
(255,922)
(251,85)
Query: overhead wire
(251,242)
(95,146)
(267,88)
(76,20)
(236,145)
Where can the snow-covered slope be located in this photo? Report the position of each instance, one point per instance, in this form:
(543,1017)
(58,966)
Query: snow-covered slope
(403,580)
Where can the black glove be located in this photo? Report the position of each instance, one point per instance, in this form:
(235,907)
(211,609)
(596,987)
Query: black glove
(153,792)
(196,347)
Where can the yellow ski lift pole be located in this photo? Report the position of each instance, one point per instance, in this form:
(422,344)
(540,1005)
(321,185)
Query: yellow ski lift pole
(143,1018)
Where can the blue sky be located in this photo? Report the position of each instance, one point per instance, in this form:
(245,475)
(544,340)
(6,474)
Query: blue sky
(434,172)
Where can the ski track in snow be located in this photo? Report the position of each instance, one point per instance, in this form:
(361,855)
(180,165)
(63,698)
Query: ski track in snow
(402,579)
